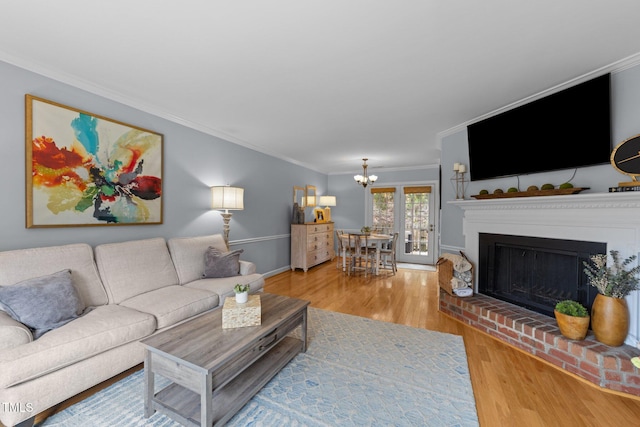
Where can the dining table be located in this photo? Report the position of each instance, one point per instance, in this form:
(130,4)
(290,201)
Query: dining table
(373,239)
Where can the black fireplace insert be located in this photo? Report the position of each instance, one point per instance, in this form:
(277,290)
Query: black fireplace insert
(535,272)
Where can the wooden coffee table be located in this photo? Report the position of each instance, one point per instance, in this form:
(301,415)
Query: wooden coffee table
(215,371)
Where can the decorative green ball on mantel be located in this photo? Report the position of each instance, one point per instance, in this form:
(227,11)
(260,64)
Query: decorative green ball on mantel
(566,185)
(512,190)
(484,191)
(547,187)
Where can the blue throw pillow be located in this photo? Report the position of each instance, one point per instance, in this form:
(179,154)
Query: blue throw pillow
(42,303)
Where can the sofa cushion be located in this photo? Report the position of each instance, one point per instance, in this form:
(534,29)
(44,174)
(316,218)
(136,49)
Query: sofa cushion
(224,286)
(42,303)
(219,263)
(22,264)
(99,330)
(188,254)
(12,332)
(134,268)
(173,304)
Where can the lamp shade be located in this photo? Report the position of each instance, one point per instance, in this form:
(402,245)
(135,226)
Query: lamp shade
(226,197)
(327,201)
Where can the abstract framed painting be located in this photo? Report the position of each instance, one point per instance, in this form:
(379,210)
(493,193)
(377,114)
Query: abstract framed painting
(86,170)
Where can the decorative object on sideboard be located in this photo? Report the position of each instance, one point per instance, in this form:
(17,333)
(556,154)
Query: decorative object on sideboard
(458,180)
(327,202)
(227,198)
(365,179)
(318,215)
(299,199)
(572,318)
(87,170)
(610,312)
(625,158)
(297,216)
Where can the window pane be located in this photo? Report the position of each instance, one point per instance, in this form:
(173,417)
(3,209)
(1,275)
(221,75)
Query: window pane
(383,212)
(416,223)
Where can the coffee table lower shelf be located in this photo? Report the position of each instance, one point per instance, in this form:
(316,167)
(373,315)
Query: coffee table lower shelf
(183,405)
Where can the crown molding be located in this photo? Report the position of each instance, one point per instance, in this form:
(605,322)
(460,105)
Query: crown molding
(76,82)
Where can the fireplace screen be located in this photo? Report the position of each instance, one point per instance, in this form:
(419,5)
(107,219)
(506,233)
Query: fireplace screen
(533,272)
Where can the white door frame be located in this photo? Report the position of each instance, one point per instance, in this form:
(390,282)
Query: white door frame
(434,211)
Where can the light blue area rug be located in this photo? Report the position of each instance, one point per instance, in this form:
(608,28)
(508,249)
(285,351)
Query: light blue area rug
(356,372)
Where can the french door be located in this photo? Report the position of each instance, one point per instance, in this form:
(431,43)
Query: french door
(409,210)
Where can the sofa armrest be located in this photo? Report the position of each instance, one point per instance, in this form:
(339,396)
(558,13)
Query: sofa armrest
(12,332)
(247,268)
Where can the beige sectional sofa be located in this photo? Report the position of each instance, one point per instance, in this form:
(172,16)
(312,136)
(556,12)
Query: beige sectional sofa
(128,291)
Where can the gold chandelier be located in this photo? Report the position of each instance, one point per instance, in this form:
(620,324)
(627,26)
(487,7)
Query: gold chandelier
(365,179)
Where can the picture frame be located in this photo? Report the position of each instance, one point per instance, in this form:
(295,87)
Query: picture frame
(310,196)
(83,169)
(318,213)
(299,195)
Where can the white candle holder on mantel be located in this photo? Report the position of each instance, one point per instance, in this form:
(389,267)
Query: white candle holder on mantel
(459,181)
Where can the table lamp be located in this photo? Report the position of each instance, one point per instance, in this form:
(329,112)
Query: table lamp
(327,201)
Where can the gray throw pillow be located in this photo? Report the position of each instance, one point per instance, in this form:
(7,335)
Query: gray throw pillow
(221,264)
(42,303)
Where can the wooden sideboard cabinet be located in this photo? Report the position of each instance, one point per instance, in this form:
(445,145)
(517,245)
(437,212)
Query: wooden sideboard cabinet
(311,244)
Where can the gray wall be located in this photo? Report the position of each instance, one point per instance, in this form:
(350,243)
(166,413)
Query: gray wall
(193,161)
(625,98)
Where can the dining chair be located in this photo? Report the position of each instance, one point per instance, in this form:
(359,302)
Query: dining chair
(371,253)
(360,254)
(341,249)
(388,255)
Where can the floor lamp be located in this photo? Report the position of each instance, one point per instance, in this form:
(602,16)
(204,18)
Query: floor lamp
(227,198)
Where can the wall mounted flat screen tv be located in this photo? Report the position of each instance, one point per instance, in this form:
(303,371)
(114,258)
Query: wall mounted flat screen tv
(565,130)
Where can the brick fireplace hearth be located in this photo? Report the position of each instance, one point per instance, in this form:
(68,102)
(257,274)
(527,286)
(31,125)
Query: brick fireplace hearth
(537,334)
(610,218)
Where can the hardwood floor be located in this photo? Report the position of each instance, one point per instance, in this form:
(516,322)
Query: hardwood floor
(511,388)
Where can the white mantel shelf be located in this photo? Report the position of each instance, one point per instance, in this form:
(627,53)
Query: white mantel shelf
(628,199)
(612,218)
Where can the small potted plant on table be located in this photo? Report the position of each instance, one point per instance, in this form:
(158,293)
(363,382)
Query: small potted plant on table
(572,318)
(242,293)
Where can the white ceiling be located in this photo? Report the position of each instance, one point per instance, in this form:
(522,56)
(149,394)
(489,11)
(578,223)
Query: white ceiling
(320,83)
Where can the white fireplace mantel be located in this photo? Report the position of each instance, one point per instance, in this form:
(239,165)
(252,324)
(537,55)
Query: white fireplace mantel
(612,218)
